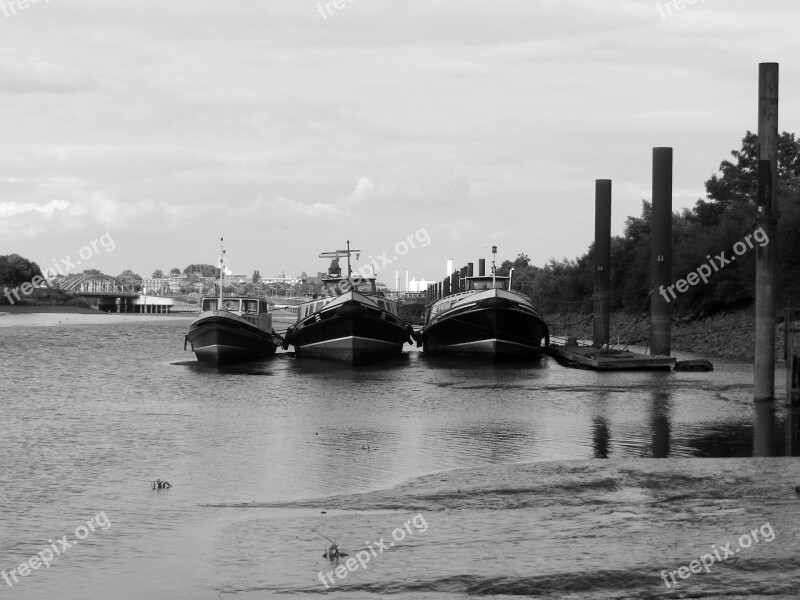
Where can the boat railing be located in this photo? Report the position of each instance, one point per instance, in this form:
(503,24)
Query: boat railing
(520,294)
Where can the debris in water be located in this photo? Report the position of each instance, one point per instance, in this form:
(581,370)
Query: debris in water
(331,553)
(158,484)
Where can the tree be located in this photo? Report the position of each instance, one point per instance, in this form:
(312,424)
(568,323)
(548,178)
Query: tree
(738,182)
(130,280)
(202,269)
(16,270)
(175,272)
(158,274)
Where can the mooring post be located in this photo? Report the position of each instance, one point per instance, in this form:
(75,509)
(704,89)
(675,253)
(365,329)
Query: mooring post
(602,261)
(481,267)
(454,282)
(661,252)
(470,269)
(766,218)
(446,287)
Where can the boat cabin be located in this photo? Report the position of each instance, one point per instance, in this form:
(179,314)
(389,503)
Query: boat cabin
(336,286)
(239,306)
(484,282)
(253,310)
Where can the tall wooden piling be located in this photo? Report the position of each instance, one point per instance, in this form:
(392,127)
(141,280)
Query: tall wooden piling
(766,218)
(481,267)
(661,252)
(602,261)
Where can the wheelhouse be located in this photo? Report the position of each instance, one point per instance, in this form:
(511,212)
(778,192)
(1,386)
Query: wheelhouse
(336,286)
(239,306)
(487,282)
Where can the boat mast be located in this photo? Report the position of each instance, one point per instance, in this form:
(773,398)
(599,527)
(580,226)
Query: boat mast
(340,253)
(349,270)
(494,269)
(221,271)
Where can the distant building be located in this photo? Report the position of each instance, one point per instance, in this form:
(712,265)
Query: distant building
(418,285)
(173,284)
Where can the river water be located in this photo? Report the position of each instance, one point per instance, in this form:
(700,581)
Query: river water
(448,479)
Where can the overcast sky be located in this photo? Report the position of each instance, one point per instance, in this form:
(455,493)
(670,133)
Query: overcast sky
(289,128)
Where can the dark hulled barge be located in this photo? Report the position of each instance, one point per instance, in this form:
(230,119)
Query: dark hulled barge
(486,320)
(233,329)
(349,322)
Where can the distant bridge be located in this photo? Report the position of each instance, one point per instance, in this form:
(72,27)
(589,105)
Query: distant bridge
(111,295)
(96,286)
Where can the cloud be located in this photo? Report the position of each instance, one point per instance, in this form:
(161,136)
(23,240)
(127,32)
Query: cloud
(36,76)
(342,206)
(363,191)
(85,210)
(16,209)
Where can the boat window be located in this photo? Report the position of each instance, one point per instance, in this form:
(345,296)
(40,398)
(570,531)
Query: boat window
(231,304)
(210,304)
(486,284)
(364,285)
(250,306)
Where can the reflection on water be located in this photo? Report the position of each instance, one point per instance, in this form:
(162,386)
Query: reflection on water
(660,424)
(764,441)
(600,437)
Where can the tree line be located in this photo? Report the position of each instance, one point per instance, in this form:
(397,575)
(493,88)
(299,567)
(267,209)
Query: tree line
(714,224)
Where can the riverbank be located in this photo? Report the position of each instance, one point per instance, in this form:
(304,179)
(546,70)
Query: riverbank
(79,317)
(729,335)
(27,309)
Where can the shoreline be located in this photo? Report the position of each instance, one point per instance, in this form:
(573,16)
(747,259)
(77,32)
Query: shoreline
(25,309)
(80,317)
(726,335)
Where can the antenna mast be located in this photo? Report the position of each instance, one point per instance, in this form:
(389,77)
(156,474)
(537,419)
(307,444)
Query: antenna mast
(339,253)
(221,272)
(494,268)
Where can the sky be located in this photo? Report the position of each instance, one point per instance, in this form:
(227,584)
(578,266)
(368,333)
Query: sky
(420,130)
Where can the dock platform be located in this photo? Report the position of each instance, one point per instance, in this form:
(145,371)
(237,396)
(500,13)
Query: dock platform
(609,360)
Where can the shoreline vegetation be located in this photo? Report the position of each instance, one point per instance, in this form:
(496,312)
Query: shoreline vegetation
(723,335)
